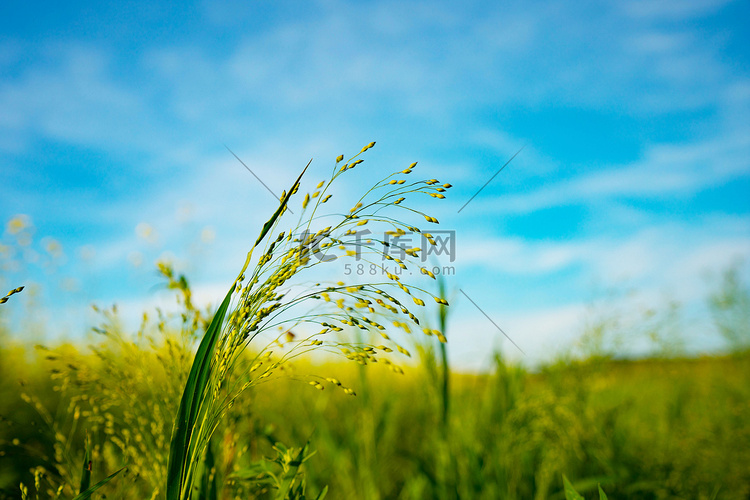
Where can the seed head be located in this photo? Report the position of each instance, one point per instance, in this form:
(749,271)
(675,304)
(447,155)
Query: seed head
(3,300)
(426,271)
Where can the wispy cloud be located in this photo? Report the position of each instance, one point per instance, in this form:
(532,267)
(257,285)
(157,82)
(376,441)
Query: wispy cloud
(70,94)
(664,170)
(660,258)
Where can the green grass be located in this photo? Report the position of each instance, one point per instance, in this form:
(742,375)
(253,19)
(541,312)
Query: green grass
(647,429)
(229,404)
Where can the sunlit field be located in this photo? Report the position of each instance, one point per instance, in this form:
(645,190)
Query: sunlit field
(656,428)
(251,399)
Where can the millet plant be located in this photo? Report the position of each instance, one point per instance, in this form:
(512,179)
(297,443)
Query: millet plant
(236,352)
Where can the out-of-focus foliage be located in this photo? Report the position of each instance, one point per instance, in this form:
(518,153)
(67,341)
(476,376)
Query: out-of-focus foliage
(652,429)
(672,427)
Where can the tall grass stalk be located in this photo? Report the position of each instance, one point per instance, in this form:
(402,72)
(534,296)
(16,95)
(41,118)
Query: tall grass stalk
(442,319)
(236,352)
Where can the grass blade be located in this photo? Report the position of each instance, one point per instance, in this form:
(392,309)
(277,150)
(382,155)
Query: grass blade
(570,492)
(183,447)
(86,469)
(87,494)
(209,488)
(602,495)
(268,225)
(192,397)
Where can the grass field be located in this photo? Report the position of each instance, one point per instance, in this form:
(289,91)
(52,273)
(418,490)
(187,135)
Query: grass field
(671,428)
(222,403)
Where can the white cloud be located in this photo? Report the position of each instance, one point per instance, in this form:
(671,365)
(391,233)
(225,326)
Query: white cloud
(72,96)
(672,257)
(541,334)
(518,256)
(664,170)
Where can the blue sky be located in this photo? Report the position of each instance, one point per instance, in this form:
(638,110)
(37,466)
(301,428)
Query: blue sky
(633,182)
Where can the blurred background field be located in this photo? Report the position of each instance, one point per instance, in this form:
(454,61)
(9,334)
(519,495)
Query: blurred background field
(614,250)
(665,426)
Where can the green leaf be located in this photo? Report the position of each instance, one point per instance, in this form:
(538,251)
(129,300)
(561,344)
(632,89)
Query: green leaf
(86,469)
(267,226)
(602,495)
(291,474)
(252,472)
(322,493)
(208,490)
(87,494)
(570,492)
(181,448)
